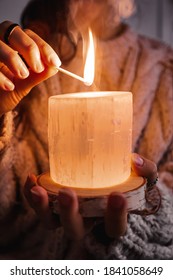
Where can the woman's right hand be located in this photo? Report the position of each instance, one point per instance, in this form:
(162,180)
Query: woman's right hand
(25,62)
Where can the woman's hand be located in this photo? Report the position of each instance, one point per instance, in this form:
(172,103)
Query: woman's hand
(26,61)
(115,220)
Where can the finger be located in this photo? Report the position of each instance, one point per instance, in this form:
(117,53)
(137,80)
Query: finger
(24,45)
(3,27)
(31,181)
(29,50)
(13,61)
(6,71)
(116,216)
(48,55)
(39,201)
(144,167)
(5,83)
(69,215)
(23,87)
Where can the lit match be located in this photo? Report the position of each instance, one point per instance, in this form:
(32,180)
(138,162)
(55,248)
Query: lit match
(74,76)
(89,65)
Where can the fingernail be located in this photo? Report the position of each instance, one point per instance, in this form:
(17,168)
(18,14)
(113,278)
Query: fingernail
(137,160)
(54,60)
(32,178)
(8,85)
(23,72)
(116,201)
(64,198)
(39,67)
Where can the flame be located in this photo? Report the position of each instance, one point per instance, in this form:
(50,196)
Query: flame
(89,69)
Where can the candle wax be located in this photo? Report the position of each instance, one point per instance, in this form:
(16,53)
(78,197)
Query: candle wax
(90,138)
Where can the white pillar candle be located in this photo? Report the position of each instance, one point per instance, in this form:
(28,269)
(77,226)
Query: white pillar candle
(90,137)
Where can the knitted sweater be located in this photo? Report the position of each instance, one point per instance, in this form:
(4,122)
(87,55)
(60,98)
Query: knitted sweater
(128,63)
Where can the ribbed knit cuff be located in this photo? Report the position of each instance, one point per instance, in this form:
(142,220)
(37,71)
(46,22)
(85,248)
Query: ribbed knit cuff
(6,129)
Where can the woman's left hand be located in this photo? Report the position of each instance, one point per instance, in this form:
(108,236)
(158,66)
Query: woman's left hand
(115,219)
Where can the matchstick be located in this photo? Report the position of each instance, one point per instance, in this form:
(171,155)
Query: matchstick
(74,76)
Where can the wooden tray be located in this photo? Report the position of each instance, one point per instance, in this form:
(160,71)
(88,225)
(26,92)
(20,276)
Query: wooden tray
(93,201)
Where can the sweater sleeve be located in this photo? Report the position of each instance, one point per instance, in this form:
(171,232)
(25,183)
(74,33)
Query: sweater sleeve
(147,237)
(23,150)
(7,190)
(21,234)
(166,168)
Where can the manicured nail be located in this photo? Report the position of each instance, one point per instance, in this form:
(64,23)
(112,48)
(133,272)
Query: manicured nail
(38,64)
(39,67)
(54,60)
(64,198)
(137,160)
(8,85)
(23,72)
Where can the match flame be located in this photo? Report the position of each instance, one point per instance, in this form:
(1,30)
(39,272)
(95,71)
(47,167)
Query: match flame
(89,69)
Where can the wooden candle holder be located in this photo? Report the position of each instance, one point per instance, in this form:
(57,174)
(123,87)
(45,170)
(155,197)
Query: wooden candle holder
(92,201)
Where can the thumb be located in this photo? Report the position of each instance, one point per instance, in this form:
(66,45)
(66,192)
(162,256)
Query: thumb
(23,87)
(144,167)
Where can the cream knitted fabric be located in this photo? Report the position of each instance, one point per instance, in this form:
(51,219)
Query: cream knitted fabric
(148,237)
(145,67)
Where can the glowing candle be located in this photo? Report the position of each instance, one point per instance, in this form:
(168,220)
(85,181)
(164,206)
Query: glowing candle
(90,138)
(90,134)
